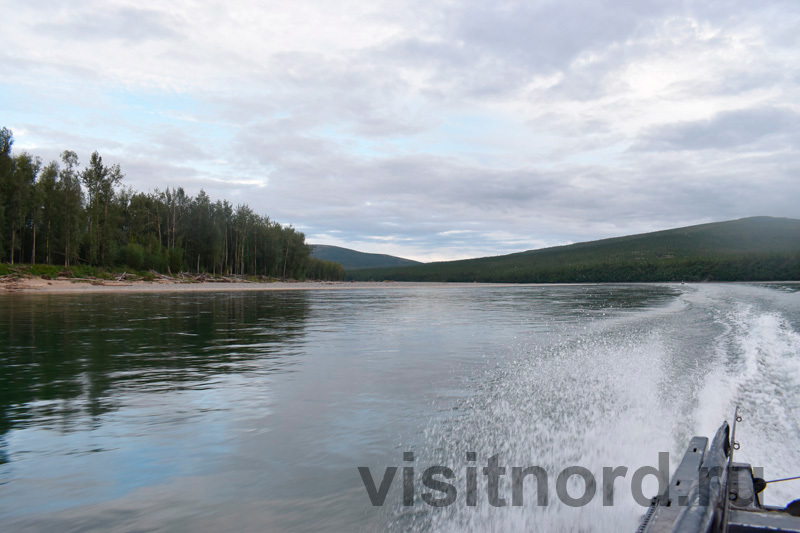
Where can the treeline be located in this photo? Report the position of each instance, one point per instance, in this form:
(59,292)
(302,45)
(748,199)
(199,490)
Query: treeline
(59,213)
(720,267)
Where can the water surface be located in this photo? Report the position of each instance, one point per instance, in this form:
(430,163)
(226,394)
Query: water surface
(252,411)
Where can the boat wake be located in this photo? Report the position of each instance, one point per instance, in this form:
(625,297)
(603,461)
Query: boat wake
(759,370)
(614,392)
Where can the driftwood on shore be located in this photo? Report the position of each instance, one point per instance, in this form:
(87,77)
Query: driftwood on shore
(181,277)
(10,282)
(187,277)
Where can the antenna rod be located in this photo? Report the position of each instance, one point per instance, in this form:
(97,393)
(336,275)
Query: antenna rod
(784,479)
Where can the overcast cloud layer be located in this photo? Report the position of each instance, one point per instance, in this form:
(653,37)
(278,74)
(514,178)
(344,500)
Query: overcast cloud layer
(426,129)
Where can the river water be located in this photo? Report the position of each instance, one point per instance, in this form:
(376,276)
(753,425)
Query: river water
(253,411)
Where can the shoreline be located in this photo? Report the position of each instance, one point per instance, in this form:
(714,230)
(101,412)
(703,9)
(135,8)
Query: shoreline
(67,286)
(84,286)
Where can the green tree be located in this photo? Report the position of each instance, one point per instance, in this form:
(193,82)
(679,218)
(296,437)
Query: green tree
(92,178)
(19,195)
(200,242)
(100,182)
(47,194)
(109,227)
(6,175)
(70,213)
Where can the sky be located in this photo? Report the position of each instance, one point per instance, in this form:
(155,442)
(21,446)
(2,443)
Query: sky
(427,129)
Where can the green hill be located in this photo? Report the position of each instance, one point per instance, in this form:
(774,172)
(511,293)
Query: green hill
(749,249)
(353,260)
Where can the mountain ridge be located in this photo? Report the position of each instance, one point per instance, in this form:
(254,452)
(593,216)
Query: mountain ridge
(754,248)
(354,260)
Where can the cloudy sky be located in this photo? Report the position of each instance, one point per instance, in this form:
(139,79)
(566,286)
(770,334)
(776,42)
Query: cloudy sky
(429,129)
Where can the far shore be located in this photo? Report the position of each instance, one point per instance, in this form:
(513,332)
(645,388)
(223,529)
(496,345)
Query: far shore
(81,286)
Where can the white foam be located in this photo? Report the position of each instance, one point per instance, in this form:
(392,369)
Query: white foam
(617,394)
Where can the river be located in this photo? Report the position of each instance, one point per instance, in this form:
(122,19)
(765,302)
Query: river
(253,411)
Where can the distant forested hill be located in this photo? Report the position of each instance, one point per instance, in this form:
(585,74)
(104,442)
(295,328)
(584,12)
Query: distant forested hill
(353,260)
(749,249)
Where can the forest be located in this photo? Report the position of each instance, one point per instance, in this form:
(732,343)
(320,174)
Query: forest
(748,249)
(60,213)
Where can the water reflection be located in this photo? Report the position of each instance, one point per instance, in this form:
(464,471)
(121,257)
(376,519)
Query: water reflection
(63,357)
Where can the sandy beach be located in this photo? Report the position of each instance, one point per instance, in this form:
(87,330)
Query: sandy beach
(79,286)
(39,285)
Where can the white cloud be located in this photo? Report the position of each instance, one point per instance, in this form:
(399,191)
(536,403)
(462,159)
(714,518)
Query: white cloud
(430,130)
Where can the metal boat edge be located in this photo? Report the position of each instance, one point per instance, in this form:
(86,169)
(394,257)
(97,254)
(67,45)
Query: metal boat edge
(710,493)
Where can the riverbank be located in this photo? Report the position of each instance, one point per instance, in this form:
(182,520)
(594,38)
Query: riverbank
(39,285)
(81,285)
